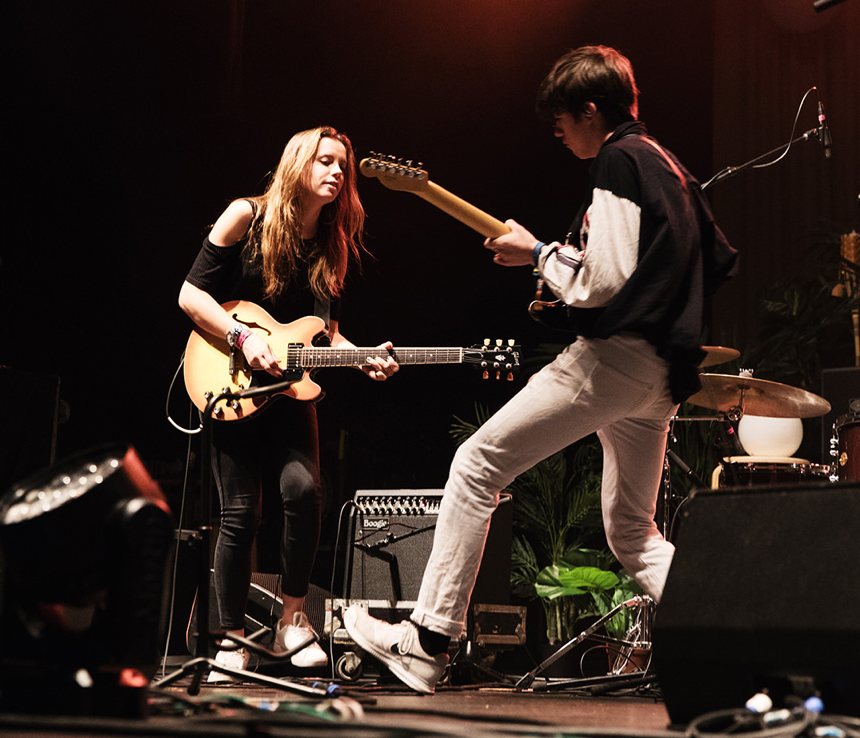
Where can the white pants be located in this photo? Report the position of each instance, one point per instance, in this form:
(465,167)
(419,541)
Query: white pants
(617,388)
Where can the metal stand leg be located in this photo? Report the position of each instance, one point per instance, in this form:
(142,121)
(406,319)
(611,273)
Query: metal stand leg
(641,633)
(666,497)
(200,666)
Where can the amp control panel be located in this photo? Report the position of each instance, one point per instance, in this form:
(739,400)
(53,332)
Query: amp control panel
(407,502)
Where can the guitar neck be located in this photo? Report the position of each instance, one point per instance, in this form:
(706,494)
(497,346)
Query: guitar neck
(396,174)
(463,211)
(312,357)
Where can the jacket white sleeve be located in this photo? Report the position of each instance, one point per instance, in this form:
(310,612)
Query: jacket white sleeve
(591,277)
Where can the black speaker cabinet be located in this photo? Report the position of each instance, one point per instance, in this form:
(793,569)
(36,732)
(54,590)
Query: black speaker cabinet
(763,593)
(391,537)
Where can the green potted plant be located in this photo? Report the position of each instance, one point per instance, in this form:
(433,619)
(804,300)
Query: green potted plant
(574,591)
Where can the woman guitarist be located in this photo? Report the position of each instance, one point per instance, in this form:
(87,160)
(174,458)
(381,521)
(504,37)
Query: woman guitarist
(288,251)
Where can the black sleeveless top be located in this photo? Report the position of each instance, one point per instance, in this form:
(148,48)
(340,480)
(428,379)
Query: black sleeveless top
(236,273)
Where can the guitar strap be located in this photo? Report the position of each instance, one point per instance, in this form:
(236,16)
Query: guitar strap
(671,163)
(322,309)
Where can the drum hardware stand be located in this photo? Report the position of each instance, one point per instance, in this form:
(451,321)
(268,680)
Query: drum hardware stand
(671,457)
(638,637)
(202,664)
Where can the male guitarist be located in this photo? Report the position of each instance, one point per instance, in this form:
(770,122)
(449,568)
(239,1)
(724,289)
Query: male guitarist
(286,250)
(642,256)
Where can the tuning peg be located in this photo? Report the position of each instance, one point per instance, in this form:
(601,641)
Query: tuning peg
(485,374)
(486,342)
(498,342)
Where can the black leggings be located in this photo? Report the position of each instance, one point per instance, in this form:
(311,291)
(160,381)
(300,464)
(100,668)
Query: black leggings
(275,453)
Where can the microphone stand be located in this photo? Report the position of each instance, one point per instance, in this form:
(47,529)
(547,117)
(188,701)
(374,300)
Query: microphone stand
(201,664)
(732,171)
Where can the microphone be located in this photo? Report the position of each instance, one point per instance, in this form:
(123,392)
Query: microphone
(728,442)
(824,131)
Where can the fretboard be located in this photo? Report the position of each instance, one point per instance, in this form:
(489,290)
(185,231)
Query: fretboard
(311,357)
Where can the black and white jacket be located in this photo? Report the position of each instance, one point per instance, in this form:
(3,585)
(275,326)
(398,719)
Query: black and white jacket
(643,255)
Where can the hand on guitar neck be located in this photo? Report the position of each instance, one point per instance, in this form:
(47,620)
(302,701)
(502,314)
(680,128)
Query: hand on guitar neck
(516,248)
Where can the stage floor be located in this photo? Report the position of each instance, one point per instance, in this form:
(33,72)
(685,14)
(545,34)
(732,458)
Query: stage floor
(368,710)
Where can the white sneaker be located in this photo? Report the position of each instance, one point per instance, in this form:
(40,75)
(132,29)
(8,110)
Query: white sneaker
(292,636)
(231,659)
(397,647)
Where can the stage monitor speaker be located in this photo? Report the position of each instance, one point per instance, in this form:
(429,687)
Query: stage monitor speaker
(762,594)
(392,534)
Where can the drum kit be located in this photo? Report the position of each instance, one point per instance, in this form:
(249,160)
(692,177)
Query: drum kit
(734,396)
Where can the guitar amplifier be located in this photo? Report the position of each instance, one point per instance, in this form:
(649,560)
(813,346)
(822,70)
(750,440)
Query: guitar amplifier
(392,534)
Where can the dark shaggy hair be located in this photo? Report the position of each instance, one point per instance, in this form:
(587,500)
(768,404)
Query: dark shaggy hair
(597,74)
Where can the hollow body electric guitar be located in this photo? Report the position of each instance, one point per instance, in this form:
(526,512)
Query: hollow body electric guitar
(212,367)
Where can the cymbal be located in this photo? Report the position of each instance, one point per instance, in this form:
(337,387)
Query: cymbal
(718,355)
(757,397)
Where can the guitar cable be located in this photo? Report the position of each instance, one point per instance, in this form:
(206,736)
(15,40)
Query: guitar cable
(178,531)
(348,505)
(178,540)
(188,431)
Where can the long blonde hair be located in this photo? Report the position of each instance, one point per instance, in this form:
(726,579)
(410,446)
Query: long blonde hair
(277,226)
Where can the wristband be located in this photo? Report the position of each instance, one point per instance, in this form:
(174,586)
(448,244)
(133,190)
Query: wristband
(233,335)
(236,335)
(538,246)
(243,336)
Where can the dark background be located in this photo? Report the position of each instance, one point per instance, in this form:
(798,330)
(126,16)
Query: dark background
(130,126)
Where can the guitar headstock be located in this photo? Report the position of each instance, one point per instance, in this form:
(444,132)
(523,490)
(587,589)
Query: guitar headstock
(394,173)
(496,359)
